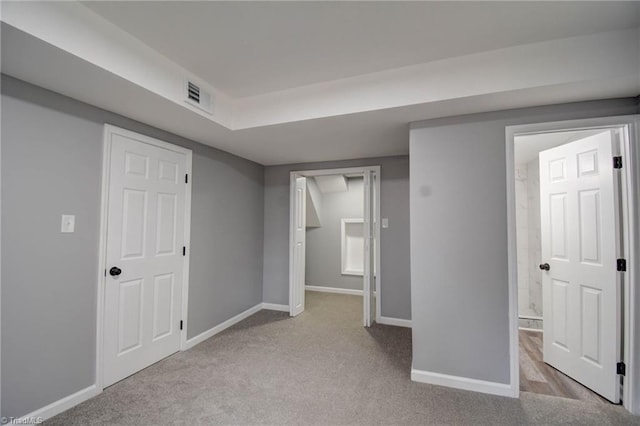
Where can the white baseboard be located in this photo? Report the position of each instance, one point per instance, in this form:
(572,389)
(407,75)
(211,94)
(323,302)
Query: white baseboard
(275,307)
(464,383)
(222,326)
(65,403)
(398,322)
(539,330)
(333,290)
(59,406)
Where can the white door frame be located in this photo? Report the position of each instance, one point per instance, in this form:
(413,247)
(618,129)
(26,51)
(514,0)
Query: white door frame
(323,172)
(630,183)
(109,130)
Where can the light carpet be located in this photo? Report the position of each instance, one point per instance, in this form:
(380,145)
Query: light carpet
(321,367)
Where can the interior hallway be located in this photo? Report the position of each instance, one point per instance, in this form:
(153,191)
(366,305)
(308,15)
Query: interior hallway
(322,367)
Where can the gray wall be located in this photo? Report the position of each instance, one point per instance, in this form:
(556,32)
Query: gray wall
(314,204)
(394,241)
(324,244)
(459,282)
(51,164)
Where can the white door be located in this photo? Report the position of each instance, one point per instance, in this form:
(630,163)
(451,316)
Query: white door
(299,211)
(581,288)
(144,254)
(369,257)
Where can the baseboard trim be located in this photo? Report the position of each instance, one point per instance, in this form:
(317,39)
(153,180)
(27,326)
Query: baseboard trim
(275,307)
(530,317)
(538,330)
(333,290)
(222,326)
(59,406)
(398,322)
(463,383)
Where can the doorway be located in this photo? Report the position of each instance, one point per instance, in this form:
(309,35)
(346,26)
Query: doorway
(334,219)
(569,238)
(144,253)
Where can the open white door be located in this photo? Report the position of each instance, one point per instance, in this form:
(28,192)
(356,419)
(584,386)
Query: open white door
(369,255)
(298,235)
(144,253)
(581,287)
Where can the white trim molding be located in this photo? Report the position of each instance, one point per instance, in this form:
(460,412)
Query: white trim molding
(336,290)
(60,405)
(398,322)
(221,327)
(463,383)
(537,330)
(275,307)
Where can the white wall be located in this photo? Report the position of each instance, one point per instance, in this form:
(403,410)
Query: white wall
(535,234)
(522,237)
(527,192)
(314,204)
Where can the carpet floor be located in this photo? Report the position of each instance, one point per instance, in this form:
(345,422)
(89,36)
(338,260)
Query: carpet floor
(321,367)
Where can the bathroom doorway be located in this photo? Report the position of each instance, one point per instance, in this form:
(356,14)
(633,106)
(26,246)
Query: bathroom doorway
(569,200)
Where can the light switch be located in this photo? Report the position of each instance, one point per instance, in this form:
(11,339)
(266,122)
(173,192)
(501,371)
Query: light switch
(68,223)
(385,222)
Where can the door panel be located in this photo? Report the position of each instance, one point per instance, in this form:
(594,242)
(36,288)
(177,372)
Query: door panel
(369,259)
(581,289)
(133,223)
(296,298)
(162,303)
(166,224)
(558,223)
(560,305)
(130,318)
(145,235)
(589,233)
(591,320)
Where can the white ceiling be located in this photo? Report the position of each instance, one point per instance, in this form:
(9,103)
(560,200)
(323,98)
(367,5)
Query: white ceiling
(331,183)
(135,64)
(527,147)
(251,48)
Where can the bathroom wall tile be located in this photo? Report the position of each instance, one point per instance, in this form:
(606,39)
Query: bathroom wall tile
(534,241)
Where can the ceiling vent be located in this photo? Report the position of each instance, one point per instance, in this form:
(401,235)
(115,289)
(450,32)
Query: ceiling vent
(198,97)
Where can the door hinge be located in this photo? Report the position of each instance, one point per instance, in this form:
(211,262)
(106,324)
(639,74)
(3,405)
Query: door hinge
(180,324)
(617,162)
(184,251)
(186,178)
(621,265)
(621,368)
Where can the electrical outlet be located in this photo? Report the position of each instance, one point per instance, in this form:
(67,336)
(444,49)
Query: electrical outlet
(68,223)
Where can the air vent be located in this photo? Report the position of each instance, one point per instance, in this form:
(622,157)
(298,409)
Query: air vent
(193,92)
(197,97)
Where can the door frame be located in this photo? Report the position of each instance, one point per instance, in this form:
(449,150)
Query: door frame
(323,172)
(110,130)
(629,184)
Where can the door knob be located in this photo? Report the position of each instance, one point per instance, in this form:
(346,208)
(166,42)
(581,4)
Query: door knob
(115,271)
(545,266)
